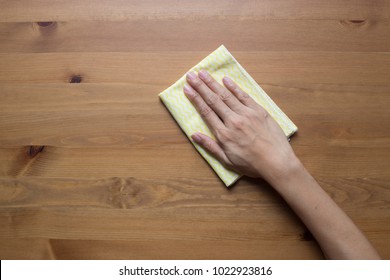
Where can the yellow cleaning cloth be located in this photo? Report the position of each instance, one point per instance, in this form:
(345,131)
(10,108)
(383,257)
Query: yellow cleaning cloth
(220,63)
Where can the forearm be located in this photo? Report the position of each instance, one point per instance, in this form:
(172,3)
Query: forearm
(335,232)
(251,142)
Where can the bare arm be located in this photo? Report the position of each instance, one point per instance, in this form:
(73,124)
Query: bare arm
(251,142)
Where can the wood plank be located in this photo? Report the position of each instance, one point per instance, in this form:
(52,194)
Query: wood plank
(160,211)
(98,162)
(185,249)
(37,248)
(368,197)
(175,223)
(132,193)
(220,224)
(115,10)
(61,115)
(127,115)
(159,226)
(164,68)
(168,35)
(179,160)
(168,249)
(25,249)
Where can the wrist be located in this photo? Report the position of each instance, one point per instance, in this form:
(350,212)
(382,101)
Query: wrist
(283,177)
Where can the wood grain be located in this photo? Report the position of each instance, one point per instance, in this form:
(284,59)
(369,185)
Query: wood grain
(161,249)
(360,197)
(123,10)
(166,35)
(92,166)
(138,119)
(322,161)
(163,69)
(189,212)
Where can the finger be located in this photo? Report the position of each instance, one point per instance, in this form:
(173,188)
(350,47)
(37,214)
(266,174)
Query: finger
(211,99)
(207,114)
(225,95)
(239,93)
(212,147)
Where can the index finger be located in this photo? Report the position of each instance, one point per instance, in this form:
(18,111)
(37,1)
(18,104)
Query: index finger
(225,95)
(207,114)
(209,96)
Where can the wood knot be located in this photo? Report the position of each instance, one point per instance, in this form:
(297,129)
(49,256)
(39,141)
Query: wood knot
(34,150)
(46,28)
(45,23)
(76,79)
(353,22)
(126,193)
(357,21)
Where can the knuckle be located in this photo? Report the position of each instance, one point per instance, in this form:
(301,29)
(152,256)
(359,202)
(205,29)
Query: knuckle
(225,96)
(192,96)
(197,82)
(227,112)
(263,113)
(208,146)
(251,114)
(212,99)
(237,122)
(222,135)
(244,95)
(204,111)
(208,79)
(195,98)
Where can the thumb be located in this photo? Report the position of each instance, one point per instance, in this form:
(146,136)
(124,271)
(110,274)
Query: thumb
(212,147)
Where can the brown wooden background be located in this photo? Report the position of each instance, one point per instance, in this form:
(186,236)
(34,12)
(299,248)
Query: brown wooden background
(93,166)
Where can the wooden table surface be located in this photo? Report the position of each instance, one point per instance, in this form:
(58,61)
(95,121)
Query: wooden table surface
(92,166)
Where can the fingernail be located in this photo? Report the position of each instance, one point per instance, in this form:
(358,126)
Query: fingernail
(228,81)
(203,74)
(195,137)
(191,75)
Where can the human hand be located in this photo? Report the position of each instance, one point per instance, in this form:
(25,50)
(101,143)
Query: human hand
(249,140)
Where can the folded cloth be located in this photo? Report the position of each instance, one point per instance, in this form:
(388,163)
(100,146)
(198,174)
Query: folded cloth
(220,63)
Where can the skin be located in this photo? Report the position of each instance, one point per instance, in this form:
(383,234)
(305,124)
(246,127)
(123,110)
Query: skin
(251,142)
